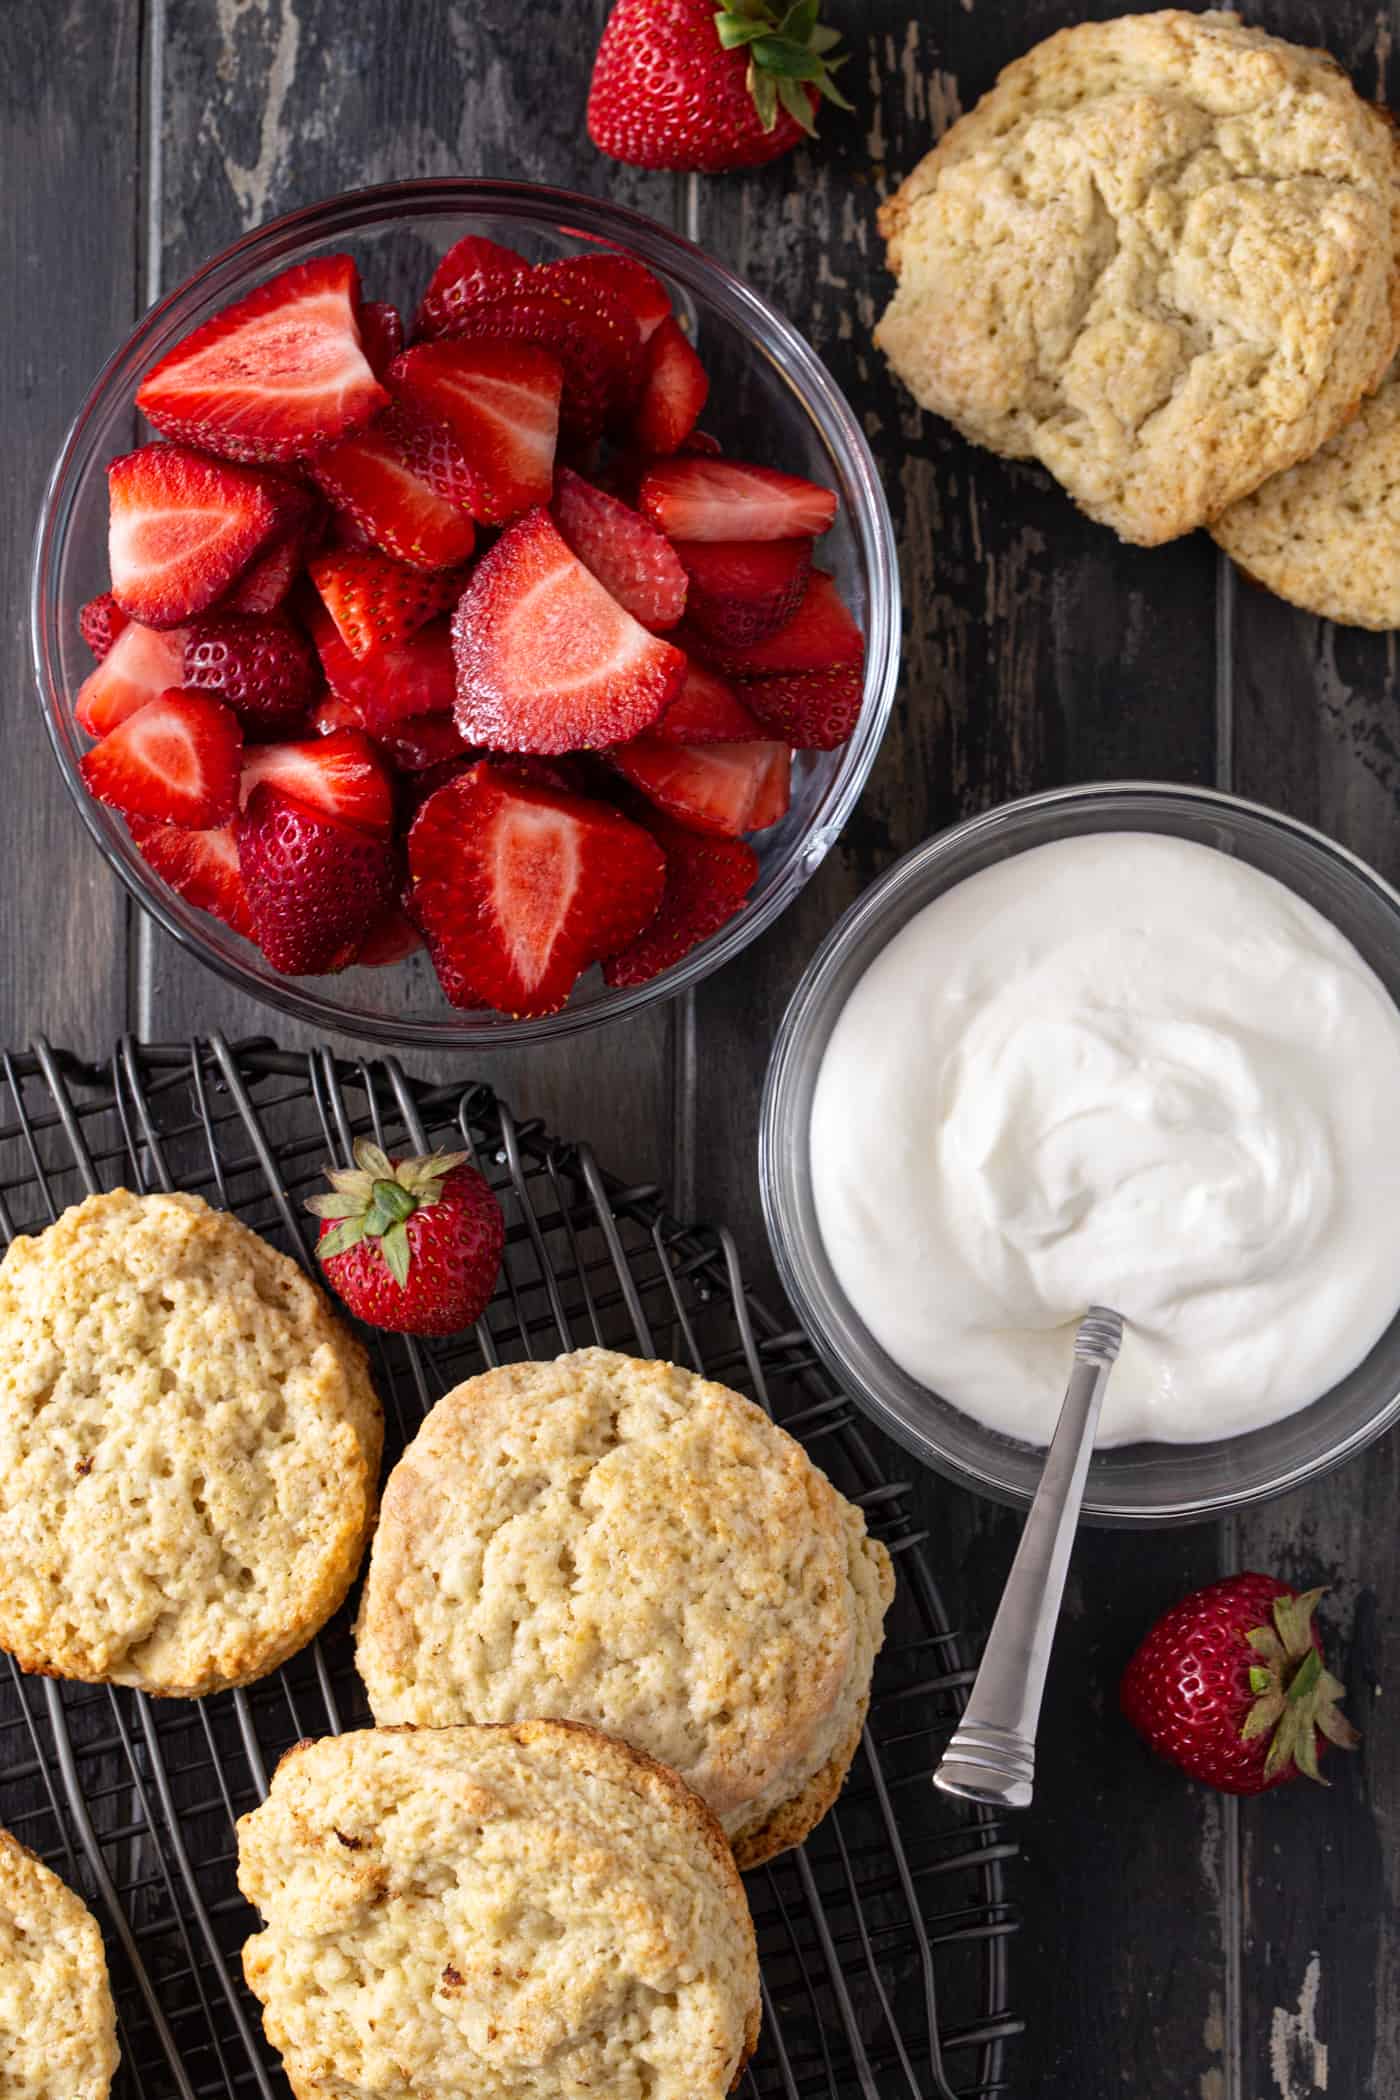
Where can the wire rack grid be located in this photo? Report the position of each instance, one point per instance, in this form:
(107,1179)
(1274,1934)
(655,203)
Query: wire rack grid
(884,1940)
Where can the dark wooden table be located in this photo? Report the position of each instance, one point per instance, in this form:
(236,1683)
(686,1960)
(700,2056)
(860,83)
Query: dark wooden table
(1176,1945)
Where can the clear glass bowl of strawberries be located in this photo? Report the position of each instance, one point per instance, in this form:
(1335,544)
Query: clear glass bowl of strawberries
(464,612)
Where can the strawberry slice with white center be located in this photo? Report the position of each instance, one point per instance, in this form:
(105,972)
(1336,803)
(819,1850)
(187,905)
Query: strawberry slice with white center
(675,388)
(547,660)
(694,498)
(201,865)
(820,636)
(415,677)
(314,886)
(629,557)
(340,776)
(376,602)
(723,789)
(741,591)
(471,267)
(181,527)
(499,402)
(593,335)
(142,663)
(707,711)
(175,760)
(372,479)
(707,881)
(276,376)
(519,888)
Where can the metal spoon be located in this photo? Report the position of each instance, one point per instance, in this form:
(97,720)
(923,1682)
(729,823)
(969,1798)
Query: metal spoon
(991,1756)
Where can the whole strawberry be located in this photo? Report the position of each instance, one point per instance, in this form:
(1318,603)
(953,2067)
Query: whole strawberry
(412,1245)
(1231,1686)
(692,85)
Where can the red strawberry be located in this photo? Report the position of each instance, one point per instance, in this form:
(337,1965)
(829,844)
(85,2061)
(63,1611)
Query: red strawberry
(100,621)
(340,775)
(265,582)
(741,591)
(675,388)
(381,335)
(201,865)
(416,677)
(811,710)
(546,659)
(142,663)
(471,267)
(314,886)
(1230,1686)
(593,335)
(694,498)
(371,480)
(278,375)
(263,668)
(723,789)
(820,636)
(421,741)
(376,602)
(707,880)
(629,557)
(682,84)
(175,760)
(629,280)
(706,711)
(436,457)
(411,1245)
(518,888)
(182,527)
(391,939)
(499,402)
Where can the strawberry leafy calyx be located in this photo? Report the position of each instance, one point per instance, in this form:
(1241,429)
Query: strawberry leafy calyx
(1295,1694)
(374,1200)
(789,54)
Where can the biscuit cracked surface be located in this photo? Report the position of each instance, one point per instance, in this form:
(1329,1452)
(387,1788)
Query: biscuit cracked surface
(58,2031)
(640,1549)
(189,1449)
(1161,256)
(528,1913)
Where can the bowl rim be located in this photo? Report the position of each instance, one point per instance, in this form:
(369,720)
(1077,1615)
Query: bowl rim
(778,1139)
(588,219)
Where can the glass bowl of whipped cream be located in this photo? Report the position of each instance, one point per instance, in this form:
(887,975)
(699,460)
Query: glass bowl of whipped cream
(1134,1045)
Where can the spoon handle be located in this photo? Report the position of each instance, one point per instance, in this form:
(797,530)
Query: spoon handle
(991,1756)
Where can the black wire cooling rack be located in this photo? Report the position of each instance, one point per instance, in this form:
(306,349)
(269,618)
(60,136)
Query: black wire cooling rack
(884,1941)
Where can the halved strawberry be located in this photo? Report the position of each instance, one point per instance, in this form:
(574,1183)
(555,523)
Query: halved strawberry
(433,453)
(706,711)
(675,388)
(629,557)
(277,375)
(416,677)
(391,939)
(604,310)
(743,590)
(175,760)
(263,667)
(707,881)
(811,710)
(820,636)
(381,334)
(597,343)
(724,789)
(519,888)
(314,886)
(546,659)
(182,527)
(694,498)
(340,776)
(627,279)
(100,621)
(422,741)
(376,602)
(470,267)
(371,479)
(201,865)
(142,663)
(499,404)
(265,583)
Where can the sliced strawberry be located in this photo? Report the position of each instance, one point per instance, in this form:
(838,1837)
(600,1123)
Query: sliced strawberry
(741,591)
(675,388)
(820,636)
(629,557)
(423,741)
(694,498)
(627,279)
(435,455)
(603,310)
(597,344)
(330,714)
(724,789)
(100,621)
(376,602)
(142,663)
(314,886)
(518,888)
(182,527)
(278,375)
(416,677)
(381,334)
(175,760)
(499,405)
(470,268)
(371,479)
(265,582)
(201,865)
(263,667)
(546,659)
(811,710)
(340,776)
(707,880)
(706,711)
(391,939)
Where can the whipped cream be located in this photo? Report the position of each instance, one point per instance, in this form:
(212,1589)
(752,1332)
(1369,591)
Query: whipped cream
(1126,1070)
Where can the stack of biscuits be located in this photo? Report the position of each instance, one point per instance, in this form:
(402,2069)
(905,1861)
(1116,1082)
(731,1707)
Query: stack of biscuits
(1162,257)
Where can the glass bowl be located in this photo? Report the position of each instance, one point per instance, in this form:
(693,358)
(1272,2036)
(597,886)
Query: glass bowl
(1132,1484)
(772,401)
